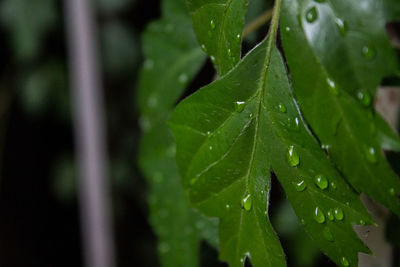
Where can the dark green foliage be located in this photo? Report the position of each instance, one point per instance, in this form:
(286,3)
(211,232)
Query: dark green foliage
(172,59)
(311,122)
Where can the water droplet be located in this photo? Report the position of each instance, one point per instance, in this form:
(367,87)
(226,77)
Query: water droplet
(332,87)
(212,24)
(262,192)
(144,123)
(148,64)
(212,58)
(200,225)
(300,186)
(209,34)
(238,37)
(282,108)
(250,115)
(321,181)
(362,222)
(368,52)
(292,157)
(296,123)
(229,52)
(312,14)
(370,155)
(287,29)
(303,222)
(333,185)
(330,216)
(228,207)
(171,151)
(152,101)
(338,212)
(183,78)
(209,134)
(210,147)
(239,106)
(342,26)
(327,234)
(392,192)
(325,146)
(319,215)
(247,202)
(364,97)
(158,177)
(344,261)
(204,48)
(163,247)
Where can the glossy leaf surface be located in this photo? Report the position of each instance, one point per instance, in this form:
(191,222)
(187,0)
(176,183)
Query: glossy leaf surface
(218,25)
(231,134)
(350,131)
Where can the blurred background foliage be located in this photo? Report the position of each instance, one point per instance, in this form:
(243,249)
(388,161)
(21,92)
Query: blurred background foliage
(39,223)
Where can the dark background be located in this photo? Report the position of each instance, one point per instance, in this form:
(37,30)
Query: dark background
(39,223)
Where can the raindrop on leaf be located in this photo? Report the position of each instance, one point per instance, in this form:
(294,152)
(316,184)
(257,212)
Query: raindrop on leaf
(239,106)
(247,202)
(312,14)
(338,212)
(300,186)
(319,215)
(292,157)
(321,181)
(345,262)
(368,52)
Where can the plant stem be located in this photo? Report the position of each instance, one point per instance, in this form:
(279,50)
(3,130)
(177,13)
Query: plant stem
(89,126)
(257,23)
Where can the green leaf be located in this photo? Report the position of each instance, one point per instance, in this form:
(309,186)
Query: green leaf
(28,22)
(119,46)
(232,133)
(173,57)
(349,40)
(218,25)
(350,131)
(179,228)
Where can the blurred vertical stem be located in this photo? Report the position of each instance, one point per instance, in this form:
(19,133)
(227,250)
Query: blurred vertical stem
(96,226)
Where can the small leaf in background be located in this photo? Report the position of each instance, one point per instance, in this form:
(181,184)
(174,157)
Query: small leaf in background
(110,6)
(218,26)
(119,46)
(45,88)
(27,21)
(172,58)
(232,133)
(64,179)
(347,127)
